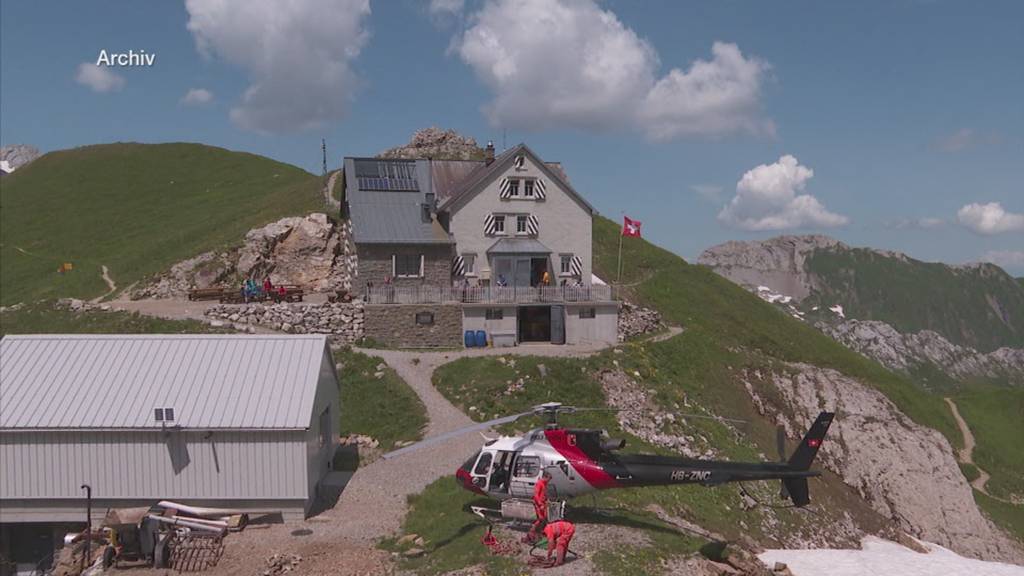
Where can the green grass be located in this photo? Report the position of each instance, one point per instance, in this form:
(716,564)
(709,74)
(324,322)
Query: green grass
(45,317)
(912,295)
(440,514)
(996,418)
(970,471)
(136,208)
(1010,517)
(383,408)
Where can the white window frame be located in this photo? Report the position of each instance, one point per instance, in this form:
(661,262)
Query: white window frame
(469,263)
(523,219)
(528,188)
(513,187)
(565,265)
(394,268)
(499,224)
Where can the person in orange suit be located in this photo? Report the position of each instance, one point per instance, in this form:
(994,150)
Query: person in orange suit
(559,533)
(540,506)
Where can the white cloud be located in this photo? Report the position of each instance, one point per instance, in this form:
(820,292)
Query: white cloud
(990,218)
(964,139)
(440,7)
(98,78)
(1004,258)
(708,191)
(766,199)
(197,97)
(925,223)
(569,63)
(298,57)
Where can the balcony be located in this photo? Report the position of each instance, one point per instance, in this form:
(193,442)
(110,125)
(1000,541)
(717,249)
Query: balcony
(487,294)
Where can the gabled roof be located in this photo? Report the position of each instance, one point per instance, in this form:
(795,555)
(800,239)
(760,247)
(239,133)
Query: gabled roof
(116,381)
(483,175)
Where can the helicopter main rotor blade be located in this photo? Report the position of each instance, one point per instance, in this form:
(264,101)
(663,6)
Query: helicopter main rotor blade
(440,438)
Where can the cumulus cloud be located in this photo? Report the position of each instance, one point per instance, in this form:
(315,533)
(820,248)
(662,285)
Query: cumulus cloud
(990,219)
(767,199)
(925,223)
(1004,258)
(569,63)
(443,7)
(964,139)
(99,78)
(197,97)
(298,59)
(708,191)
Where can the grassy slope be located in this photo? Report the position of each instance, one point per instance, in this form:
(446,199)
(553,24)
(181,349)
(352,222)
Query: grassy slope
(996,417)
(136,208)
(45,318)
(384,408)
(912,295)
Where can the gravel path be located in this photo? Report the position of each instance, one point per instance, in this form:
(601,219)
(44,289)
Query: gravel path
(966,454)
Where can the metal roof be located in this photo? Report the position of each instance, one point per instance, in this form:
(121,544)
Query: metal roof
(391,216)
(116,381)
(518,246)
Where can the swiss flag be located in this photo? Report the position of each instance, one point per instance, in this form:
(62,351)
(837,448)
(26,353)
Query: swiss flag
(630,227)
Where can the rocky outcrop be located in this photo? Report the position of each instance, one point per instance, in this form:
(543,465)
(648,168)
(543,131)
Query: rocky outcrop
(342,320)
(636,320)
(17,155)
(438,144)
(905,471)
(903,352)
(310,251)
(777,263)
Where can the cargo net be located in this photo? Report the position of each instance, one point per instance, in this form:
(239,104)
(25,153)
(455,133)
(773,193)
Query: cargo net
(196,552)
(499,548)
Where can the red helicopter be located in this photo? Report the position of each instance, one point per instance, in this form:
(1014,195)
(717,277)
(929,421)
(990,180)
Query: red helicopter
(581,461)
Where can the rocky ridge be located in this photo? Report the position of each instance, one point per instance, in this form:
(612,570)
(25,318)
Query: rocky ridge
(311,251)
(17,155)
(777,263)
(438,144)
(636,320)
(903,352)
(905,471)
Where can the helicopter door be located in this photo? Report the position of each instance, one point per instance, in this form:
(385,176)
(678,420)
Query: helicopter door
(525,474)
(482,470)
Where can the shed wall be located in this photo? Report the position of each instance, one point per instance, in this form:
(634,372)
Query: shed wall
(229,465)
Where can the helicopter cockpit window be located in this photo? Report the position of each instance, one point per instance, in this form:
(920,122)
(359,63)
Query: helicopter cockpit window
(483,465)
(527,466)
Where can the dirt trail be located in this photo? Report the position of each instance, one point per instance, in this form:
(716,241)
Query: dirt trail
(328,197)
(966,454)
(111,286)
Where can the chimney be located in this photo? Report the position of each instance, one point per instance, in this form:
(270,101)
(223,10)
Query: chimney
(489,153)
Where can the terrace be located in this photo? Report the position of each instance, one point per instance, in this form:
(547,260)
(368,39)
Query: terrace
(388,294)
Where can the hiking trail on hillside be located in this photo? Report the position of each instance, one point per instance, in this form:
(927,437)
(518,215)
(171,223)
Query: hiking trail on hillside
(966,454)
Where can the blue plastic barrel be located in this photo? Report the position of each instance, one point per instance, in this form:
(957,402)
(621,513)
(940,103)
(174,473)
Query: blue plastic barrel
(470,341)
(481,339)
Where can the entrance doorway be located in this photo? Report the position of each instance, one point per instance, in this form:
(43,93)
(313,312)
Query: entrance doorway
(534,323)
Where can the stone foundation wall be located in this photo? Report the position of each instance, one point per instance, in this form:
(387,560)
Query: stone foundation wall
(342,321)
(396,325)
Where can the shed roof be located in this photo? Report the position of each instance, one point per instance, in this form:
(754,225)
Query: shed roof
(518,246)
(389,210)
(116,381)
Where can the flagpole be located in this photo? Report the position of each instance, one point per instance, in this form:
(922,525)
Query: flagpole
(618,279)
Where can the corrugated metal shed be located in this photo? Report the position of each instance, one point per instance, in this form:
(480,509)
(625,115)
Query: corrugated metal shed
(116,381)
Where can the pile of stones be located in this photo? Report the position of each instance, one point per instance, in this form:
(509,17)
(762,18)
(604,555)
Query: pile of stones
(635,320)
(342,320)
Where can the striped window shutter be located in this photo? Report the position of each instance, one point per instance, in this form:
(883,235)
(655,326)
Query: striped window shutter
(504,189)
(538,189)
(489,225)
(576,266)
(458,266)
(532,225)
(520,162)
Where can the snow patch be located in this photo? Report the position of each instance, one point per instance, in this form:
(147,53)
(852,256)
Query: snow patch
(6,166)
(878,556)
(838,309)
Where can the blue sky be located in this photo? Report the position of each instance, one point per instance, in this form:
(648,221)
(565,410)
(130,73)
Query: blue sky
(897,125)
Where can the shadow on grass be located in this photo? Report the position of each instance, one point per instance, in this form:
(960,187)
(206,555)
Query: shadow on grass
(615,517)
